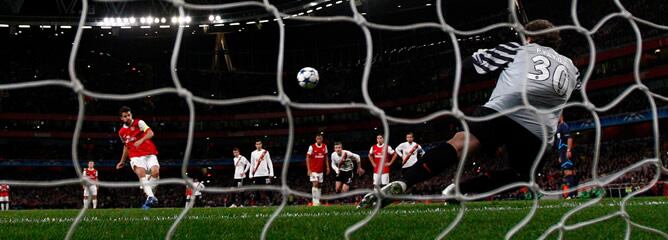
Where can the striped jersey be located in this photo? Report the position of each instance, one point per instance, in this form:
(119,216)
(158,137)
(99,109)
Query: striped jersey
(260,164)
(550,78)
(344,161)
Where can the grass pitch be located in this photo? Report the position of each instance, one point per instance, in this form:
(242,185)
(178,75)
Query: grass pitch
(483,220)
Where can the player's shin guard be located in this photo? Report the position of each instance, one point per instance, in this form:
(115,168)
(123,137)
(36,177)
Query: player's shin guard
(147,187)
(431,164)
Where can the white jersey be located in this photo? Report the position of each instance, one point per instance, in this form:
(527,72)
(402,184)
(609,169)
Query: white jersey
(261,164)
(550,79)
(409,153)
(241,167)
(344,162)
(199,186)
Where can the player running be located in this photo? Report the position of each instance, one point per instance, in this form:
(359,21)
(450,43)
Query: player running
(342,163)
(136,135)
(549,79)
(90,173)
(375,156)
(409,152)
(316,161)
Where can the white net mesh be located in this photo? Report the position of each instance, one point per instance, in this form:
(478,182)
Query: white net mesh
(357,18)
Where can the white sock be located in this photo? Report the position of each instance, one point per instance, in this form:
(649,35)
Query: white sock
(84,202)
(319,192)
(94,203)
(316,195)
(147,188)
(153,181)
(2,206)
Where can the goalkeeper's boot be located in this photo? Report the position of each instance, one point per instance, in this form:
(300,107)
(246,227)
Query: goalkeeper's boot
(450,191)
(394,188)
(150,202)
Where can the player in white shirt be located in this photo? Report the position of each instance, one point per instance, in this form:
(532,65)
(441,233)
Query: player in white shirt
(262,170)
(409,152)
(195,193)
(342,163)
(241,167)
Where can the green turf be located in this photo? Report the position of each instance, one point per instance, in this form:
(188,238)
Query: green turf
(483,220)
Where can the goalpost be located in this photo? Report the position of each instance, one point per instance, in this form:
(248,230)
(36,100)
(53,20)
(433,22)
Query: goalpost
(517,18)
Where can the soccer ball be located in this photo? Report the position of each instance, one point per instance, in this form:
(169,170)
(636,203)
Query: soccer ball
(308,77)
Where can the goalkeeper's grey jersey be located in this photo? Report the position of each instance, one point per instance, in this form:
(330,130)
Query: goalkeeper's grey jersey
(550,78)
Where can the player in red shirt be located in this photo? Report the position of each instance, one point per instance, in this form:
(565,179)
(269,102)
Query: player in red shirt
(375,156)
(90,173)
(136,136)
(316,161)
(4,197)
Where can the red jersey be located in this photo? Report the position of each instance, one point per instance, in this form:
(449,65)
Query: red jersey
(130,134)
(378,155)
(317,157)
(4,190)
(91,173)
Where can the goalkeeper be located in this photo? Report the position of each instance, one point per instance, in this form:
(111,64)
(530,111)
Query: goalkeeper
(550,78)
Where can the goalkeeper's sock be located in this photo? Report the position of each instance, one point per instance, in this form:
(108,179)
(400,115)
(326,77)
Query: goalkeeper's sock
(431,164)
(147,188)
(489,181)
(94,203)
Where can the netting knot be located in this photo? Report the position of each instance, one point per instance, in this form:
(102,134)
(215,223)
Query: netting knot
(626,14)
(284,99)
(178,3)
(458,114)
(77,87)
(184,93)
(359,19)
(447,28)
(272,9)
(590,107)
(643,88)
